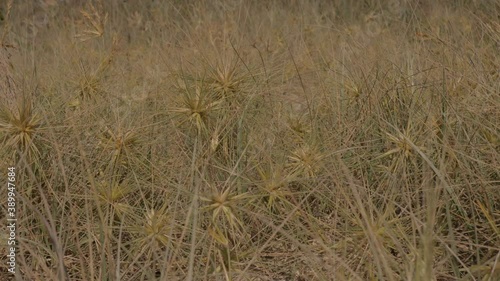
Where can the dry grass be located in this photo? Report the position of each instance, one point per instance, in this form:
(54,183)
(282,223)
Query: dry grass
(253,140)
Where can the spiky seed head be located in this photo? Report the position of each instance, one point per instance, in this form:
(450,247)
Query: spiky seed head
(274,184)
(19,131)
(197,108)
(156,226)
(113,194)
(225,80)
(305,160)
(221,204)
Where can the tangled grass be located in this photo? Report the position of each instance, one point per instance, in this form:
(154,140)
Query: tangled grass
(253,140)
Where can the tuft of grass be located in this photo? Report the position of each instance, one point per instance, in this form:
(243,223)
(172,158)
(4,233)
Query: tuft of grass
(305,160)
(19,130)
(197,107)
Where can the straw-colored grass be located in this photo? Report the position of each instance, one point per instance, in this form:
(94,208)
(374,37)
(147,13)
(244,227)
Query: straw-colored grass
(252,140)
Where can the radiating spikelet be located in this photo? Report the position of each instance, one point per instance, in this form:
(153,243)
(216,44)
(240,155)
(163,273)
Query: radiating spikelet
(114,193)
(121,146)
(225,80)
(305,160)
(154,229)
(197,108)
(274,184)
(18,132)
(221,204)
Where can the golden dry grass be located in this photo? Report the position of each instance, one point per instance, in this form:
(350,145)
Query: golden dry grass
(253,140)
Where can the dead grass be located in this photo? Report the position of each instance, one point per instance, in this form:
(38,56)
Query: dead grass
(251,140)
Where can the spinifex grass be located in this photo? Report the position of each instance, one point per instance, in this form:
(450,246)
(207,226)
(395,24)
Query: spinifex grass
(19,129)
(286,140)
(197,106)
(225,226)
(273,184)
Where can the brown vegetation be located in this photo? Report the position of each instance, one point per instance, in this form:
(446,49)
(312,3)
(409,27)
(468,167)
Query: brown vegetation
(253,140)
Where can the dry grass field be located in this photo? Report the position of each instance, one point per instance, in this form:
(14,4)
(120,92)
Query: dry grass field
(251,140)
